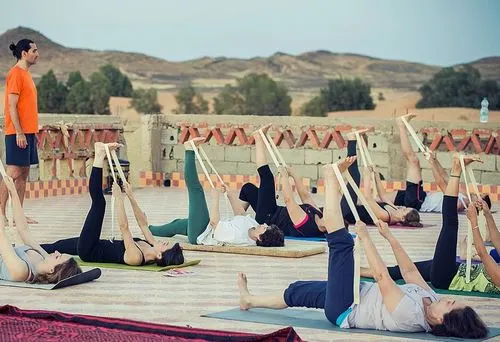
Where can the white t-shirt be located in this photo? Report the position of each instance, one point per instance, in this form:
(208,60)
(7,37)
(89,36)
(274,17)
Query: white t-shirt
(408,316)
(230,231)
(433,202)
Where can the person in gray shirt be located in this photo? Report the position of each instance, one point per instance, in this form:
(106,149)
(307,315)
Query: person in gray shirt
(384,305)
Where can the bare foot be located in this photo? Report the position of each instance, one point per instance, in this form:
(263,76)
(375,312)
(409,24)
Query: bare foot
(31,221)
(468,158)
(363,131)
(345,163)
(244,294)
(197,141)
(408,117)
(264,129)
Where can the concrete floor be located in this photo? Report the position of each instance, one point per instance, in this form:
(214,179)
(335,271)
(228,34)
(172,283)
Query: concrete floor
(152,297)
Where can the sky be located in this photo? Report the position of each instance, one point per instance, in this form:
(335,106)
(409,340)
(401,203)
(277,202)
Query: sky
(435,32)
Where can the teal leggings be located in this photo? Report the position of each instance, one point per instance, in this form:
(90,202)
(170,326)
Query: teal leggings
(198,216)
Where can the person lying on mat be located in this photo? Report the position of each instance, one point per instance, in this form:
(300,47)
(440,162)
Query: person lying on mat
(443,271)
(491,267)
(293,219)
(30,262)
(414,196)
(206,227)
(385,211)
(384,305)
(129,251)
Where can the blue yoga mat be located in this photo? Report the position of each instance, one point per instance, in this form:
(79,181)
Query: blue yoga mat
(315,319)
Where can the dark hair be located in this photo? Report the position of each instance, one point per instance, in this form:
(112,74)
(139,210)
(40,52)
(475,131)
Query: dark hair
(22,45)
(463,323)
(412,219)
(487,199)
(62,271)
(172,256)
(272,237)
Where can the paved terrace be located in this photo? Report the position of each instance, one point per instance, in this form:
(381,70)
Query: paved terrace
(149,296)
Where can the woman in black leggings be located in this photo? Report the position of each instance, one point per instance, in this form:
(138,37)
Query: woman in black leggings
(443,271)
(386,212)
(130,251)
(293,219)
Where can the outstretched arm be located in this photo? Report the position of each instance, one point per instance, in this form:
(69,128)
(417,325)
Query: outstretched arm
(132,254)
(20,218)
(384,195)
(439,173)
(492,227)
(409,271)
(214,210)
(367,192)
(391,293)
(492,268)
(236,205)
(304,193)
(16,267)
(140,216)
(295,212)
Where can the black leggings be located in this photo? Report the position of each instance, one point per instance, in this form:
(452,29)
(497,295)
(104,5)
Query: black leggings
(356,176)
(441,270)
(262,199)
(88,246)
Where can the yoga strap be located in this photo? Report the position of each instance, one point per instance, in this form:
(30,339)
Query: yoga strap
(424,149)
(367,161)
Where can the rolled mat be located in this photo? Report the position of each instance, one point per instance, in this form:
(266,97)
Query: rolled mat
(37,325)
(292,249)
(151,268)
(315,319)
(81,278)
(449,292)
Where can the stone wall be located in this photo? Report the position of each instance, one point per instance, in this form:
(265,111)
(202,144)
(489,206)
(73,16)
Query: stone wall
(308,143)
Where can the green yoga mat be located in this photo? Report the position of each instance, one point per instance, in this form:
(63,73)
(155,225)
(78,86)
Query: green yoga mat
(152,268)
(315,319)
(449,292)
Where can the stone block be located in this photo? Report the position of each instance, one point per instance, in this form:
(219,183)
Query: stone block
(490,178)
(489,163)
(215,153)
(169,166)
(246,169)
(223,168)
(308,171)
(179,151)
(237,154)
(378,158)
(317,157)
(378,143)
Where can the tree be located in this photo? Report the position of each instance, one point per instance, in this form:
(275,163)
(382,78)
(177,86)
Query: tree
(254,94)
(339,95)
(315,107)
(460,87)
(78,99)
(146,101)
(73,78)
(100,91)
(51,94)
(229,101)
(189,101)
(120,84)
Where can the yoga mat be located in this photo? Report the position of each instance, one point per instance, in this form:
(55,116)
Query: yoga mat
(39,325)
(449,292)
(315,319)
(74,280)
(152,268)
(292,249)
(299,238)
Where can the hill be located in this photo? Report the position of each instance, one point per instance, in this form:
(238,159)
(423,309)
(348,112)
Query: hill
(302,72)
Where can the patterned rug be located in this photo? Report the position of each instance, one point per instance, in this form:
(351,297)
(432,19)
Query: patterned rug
(34,325)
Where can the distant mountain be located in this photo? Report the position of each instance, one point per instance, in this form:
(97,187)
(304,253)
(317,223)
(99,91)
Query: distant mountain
(303,72)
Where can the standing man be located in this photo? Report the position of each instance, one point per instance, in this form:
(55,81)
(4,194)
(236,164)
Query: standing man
(21,120)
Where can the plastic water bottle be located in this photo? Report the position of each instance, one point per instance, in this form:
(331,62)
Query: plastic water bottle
(483,116)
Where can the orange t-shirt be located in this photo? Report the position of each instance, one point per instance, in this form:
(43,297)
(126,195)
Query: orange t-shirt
(19,82)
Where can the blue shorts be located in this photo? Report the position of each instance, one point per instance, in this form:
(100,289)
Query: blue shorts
(17,156)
